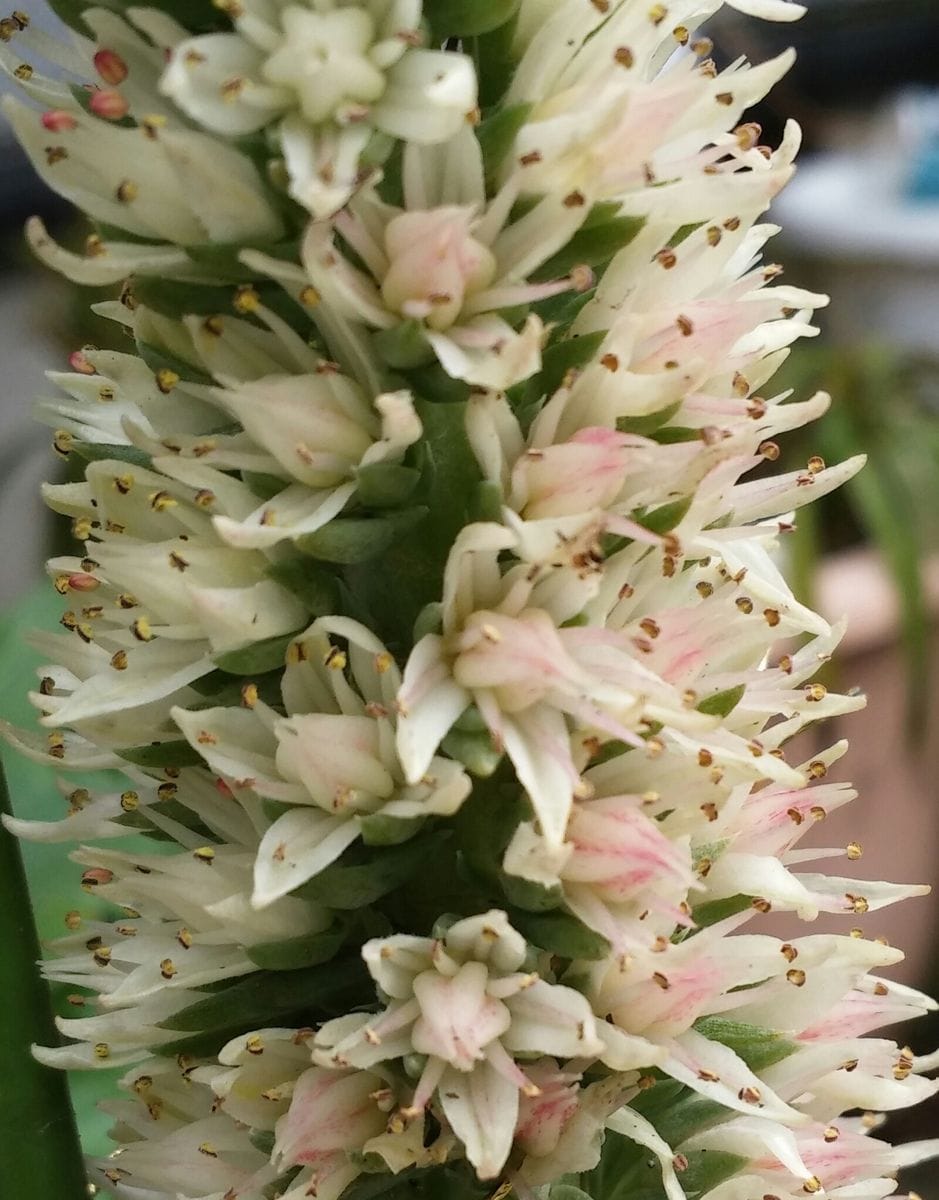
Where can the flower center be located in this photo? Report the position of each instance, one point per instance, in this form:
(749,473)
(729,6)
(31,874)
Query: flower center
(325,59)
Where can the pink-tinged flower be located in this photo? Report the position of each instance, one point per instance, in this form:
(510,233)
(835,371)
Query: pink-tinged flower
(820,1160)
(464,1002)
(332,1115)
(500,650)
(616,867)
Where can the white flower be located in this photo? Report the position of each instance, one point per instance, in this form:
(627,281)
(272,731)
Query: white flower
(330,74)
(464,1002)
(331,758)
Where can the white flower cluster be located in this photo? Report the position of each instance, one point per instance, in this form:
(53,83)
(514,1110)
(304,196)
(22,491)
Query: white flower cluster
(426,609)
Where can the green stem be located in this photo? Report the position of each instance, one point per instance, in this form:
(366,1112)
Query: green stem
(43,1157)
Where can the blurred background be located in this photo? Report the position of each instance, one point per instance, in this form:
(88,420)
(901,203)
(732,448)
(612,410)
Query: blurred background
(861,222)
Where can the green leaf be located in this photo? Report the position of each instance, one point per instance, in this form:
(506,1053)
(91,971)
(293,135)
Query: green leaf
(404,346)
(567,1191)
(385,485)
(476,751)
(312,584)
(158,359)
(566,356)
(758,1047)
(707,1168)
(593,244)
(362,876)
(43,1158)
(223,258)
(467,18)
(258,999)
(487,503)
(258,658)
(358,539)
(290,954)
(664,518)
(722,704)
(496,135)
(560,933)
(102,451)
(648,423)
(712,911)
(381,830)
(162,754)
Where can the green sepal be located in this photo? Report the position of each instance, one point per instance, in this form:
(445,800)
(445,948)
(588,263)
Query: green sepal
(496,135)
(467,18)
(361,876)
(722,704)
(224,261)
(712,911)
(664,518)
(264,486)
(429,620)
(173,297)
(385,485)
(381,830)
(672,435)
(474,750)
(308,950)
(139,819)
(161,360)
(532,897)
(433,381)
(487,502)
(566,356)
(600,237)
(258,999)
(758,1047)
(350,540)
(648,423)
(560,933)
(312,585)
(175,753)
(258,658)
(100,451)
(404,346)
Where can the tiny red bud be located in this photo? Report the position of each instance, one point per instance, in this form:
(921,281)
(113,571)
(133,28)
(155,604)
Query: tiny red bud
(110,66)
(57,120)
(108,104)
(78,362)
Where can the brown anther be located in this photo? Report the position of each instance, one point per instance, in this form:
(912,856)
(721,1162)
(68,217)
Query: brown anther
(658,13)
(812,1185)
(815,464)
(761,905)
(708,1076)
(102,1050)
(650,627)
(184,937)
(130,801)
(750,1095)
(745,604)
(161,501)
(818,813)
(815,692)
(661,981)
(127,191)
(205,854)
(167,968)
(575,199)
(530,159)
(725,98)
(796,977)
(685,325)
(769,451)
(255,1044)
(249,695)
(667,258)
(110,66)
(704,589)
(853,851)
(141,630)
(96,877)
(624,56)
(309,297)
